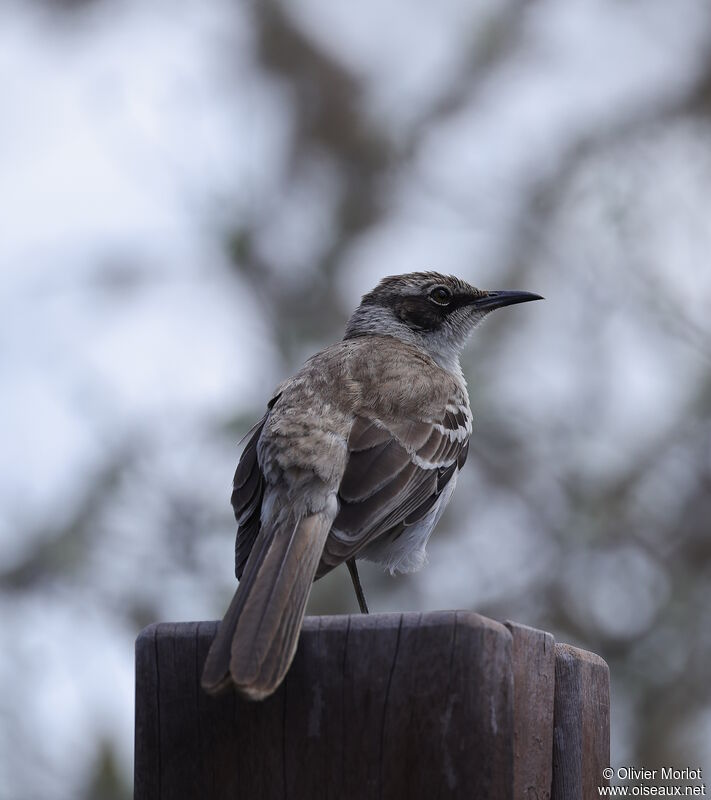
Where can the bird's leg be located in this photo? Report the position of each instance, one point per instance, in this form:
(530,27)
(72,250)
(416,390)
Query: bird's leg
(351,563)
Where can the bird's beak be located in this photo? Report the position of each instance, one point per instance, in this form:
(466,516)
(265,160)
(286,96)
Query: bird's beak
(492,300)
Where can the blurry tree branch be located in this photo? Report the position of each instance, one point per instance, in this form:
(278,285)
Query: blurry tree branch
(328,107)
(59,552)
(543,196)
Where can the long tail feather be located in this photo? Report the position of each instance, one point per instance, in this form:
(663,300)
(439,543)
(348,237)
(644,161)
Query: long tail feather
(257,638)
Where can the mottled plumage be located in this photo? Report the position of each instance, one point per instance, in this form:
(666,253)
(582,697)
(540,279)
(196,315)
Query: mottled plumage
(356,457)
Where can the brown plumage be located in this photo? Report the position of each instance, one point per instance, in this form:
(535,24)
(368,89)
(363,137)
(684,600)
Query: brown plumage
(356,456)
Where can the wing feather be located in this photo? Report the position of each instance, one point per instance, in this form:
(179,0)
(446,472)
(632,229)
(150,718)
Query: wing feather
(247,495)
(395,474)
(367,433)
(371,471)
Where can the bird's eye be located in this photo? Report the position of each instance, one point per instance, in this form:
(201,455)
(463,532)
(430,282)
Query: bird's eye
(441,295)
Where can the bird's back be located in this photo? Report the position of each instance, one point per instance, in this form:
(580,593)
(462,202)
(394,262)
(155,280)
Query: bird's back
(373,422)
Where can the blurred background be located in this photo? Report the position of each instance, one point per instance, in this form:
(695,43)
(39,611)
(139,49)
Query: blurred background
(193,197)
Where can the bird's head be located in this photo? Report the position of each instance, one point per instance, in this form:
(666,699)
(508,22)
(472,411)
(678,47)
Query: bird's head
(436,312)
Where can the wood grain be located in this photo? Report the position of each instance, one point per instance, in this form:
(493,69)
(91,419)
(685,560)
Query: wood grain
(438,705)
(581,736)
(534,683)
(378,706)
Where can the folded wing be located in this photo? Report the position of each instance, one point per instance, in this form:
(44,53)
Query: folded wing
(395,476)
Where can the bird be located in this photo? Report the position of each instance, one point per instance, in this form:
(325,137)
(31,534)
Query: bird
(356,457)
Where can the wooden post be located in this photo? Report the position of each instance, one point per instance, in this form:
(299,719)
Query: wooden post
(445,704)
(534,684)
(581,748)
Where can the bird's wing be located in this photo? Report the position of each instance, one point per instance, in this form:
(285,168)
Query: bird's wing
(396,472)
(248,493)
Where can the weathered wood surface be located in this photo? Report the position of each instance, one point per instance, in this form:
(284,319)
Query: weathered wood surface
(534,684)
(581,737)
(437,705)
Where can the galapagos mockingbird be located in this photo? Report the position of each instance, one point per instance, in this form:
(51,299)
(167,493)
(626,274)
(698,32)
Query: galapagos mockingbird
(356,456)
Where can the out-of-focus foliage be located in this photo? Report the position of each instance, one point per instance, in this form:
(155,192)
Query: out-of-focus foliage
(193,198)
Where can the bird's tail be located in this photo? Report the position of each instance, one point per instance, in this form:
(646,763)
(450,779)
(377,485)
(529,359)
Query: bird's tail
(257,638)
